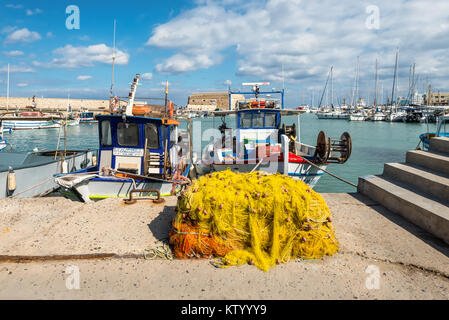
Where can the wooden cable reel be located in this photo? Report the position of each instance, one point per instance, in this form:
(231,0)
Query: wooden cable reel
(333,151)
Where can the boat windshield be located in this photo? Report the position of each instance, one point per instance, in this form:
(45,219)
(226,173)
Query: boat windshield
(258,120)
(128,134)
(106,136)
(152,135)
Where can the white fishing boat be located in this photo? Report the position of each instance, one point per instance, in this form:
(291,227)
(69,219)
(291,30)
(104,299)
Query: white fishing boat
(261,142)
(30,120)
(31,174)
(139,154)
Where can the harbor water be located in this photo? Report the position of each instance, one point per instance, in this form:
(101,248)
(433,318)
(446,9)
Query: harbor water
(373,143)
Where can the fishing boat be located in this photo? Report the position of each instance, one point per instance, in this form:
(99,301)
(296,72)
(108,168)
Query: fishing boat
(261,142)
(442,131)
(30,120)
(139,153)
(31,174)
(87,117)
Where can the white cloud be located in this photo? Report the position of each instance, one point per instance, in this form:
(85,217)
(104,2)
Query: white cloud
(22,85)
(82,78)
(71,57)
(307,37)
(147,76)
(14,6)
(49,35)
(14,53)
(30,12)
(23,35)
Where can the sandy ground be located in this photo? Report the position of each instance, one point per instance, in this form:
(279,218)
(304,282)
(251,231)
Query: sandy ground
(410,263)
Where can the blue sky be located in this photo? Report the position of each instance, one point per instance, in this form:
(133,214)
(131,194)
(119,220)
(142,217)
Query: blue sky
(199,45)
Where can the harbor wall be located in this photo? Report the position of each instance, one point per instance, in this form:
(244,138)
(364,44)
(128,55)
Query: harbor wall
(54,104)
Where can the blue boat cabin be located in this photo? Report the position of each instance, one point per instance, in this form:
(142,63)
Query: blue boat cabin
(137,145)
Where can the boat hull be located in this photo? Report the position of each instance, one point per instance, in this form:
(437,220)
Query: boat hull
(35,176)
(30,125)
(110,187)
(334,116)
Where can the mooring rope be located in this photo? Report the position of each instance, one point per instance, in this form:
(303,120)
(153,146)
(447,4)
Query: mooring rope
(329,173)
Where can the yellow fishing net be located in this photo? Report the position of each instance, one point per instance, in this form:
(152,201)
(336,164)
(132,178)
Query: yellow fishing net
(252,218)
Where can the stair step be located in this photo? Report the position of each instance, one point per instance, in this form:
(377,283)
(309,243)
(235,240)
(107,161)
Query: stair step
(430,160)
(431,215)
(440,144)
(427,181)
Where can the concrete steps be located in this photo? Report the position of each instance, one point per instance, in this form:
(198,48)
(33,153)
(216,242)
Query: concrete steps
(439,144)
(427,181)
(430,160)
(418,190)
(429,214)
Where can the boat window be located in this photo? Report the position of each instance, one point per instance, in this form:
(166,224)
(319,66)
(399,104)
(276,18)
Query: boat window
(128,134)
(106,136)
(152,134)
(270,120)
(258,120)
(245,120)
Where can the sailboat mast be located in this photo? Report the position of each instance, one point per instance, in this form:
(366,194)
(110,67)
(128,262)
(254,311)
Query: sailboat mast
(395,77)
(113,67)
(332,86)
(376,85)
(7,92)
(357,82)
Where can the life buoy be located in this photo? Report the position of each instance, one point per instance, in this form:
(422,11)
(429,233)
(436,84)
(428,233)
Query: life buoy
(170,109)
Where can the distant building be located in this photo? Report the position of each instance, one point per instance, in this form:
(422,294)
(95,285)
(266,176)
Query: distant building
(437,99)
(210,101)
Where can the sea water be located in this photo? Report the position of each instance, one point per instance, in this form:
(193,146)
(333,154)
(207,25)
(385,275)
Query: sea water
(373,143)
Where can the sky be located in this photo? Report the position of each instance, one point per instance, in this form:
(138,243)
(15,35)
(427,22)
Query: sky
(207,45)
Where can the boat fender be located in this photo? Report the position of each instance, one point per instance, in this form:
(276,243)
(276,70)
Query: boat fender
(65,167)
(12,184)
(94,160)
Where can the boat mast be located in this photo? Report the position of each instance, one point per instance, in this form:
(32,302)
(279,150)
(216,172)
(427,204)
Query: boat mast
(7,92)
(324,91)
(395,77)
(313,97)
(376,85)
(332,86)
(355,93)
(113,66)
